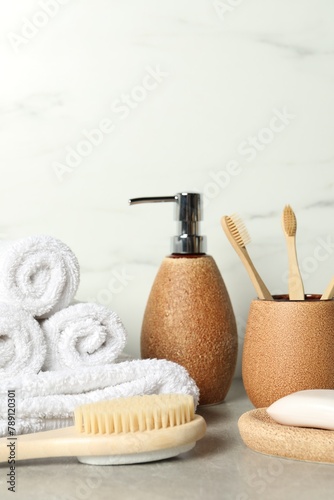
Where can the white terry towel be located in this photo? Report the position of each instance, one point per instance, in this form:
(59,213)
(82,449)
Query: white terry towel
(83,334)
(39,274)
(22,343)
(47,400)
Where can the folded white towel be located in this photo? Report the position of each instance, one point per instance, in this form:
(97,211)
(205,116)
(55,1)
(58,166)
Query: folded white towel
(22,343)
(39,274)
(47,400)
(83,334)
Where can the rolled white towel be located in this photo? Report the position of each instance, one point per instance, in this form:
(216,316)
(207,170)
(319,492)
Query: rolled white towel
(83,335)
(47,400)
(39,274)
(22,343)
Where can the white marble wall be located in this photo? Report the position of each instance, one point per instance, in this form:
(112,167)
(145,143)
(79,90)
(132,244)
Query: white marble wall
(184,95)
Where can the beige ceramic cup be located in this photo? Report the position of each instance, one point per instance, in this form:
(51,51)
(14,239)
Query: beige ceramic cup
(289,347)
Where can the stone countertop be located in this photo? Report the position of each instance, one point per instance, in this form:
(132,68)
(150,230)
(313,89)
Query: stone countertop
(219,467)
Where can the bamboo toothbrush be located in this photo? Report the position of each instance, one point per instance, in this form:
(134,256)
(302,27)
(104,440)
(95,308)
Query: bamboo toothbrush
(289,222)
(329,292)
(239,238)
(121,431)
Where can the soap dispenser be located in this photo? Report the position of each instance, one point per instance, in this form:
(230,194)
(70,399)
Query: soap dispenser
(189,317)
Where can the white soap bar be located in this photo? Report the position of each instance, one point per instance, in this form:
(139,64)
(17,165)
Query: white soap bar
(311,408)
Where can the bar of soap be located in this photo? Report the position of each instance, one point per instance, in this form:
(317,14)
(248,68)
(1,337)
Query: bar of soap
(309,408)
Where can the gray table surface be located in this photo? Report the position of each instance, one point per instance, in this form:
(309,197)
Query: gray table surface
(219,467)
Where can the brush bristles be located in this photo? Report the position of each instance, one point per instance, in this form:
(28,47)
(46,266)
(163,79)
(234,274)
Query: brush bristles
(134,414)
(238,230)
(289,221)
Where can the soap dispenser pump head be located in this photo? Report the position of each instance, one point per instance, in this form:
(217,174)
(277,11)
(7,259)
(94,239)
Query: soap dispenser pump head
(188,213)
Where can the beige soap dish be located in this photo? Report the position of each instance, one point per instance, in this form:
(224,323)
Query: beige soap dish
(262,434)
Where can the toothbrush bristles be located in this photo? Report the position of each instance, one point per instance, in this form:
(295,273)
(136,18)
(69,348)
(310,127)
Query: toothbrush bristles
(289,221)
(238,230)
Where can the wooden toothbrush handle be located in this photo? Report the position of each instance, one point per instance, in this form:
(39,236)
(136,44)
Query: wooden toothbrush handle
(261,289)
(329,292)
(296,288)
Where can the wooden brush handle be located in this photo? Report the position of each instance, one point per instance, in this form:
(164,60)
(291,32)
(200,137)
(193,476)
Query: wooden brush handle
(68,442)
(296,288)
(329,292)
(261,289)
(55,443)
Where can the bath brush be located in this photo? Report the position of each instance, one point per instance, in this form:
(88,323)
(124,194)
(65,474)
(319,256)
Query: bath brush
(289,223)
(120,431)
(239,238)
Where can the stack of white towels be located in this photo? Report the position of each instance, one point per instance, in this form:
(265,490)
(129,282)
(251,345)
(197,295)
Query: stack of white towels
(56,354)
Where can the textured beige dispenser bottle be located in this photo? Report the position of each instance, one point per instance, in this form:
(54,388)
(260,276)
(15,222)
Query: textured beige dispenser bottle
(189,317)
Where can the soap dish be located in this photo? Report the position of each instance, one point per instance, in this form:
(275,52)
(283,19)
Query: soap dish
(262,434)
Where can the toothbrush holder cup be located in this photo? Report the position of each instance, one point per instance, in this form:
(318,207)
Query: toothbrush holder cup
(288,347)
